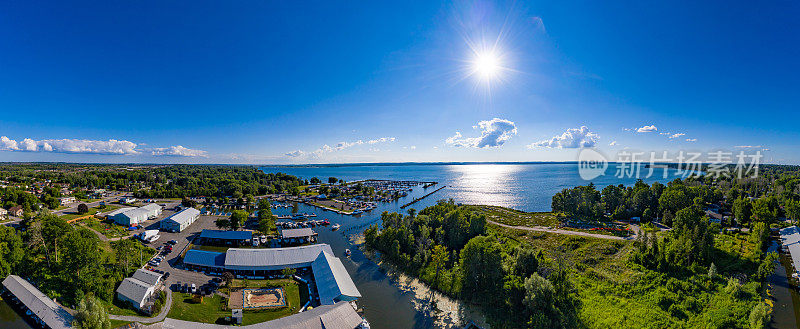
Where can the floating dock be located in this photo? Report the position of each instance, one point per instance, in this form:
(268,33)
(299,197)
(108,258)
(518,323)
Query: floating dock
(422,197)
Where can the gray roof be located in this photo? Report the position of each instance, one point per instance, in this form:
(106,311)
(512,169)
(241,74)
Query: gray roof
(146,276)
(297,232)
(790,238)
(184,216)
(134,289)
(43,307)
(332,279)
(204,258)
(136,212)
(119,211)
(338,316)
(274,258)
(226,235)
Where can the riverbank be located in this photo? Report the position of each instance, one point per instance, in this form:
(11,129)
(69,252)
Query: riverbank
(448,312)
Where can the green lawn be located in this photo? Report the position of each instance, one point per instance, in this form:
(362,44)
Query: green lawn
(214,309)
(119,323)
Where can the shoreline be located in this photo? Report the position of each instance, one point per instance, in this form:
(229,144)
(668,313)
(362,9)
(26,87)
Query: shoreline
(449,312)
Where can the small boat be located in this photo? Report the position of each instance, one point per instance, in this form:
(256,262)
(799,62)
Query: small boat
(335,227)
(347,252)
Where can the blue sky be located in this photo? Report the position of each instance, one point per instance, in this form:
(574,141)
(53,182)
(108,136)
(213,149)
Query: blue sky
(319,82)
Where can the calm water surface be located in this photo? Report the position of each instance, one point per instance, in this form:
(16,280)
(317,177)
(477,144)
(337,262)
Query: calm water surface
(527,187)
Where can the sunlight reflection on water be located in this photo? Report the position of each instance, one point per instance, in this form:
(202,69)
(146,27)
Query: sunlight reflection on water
(486,184)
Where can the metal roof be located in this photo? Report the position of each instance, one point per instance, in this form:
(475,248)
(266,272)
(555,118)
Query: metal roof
(790,238)
(273,258)
(38,303)
(333,281)
(146,276)
(119,211)
(184,216)
(338,316)
(134,289)
(226,235)
(297,232)
(204,258)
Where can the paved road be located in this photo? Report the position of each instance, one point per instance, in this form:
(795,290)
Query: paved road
(560,231)
(73,207)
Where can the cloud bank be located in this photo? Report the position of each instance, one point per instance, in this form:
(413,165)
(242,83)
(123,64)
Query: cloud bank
(337,147)
(570,139)
(85,146)
(494,133)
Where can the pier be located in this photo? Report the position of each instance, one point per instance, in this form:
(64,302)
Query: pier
(422,197)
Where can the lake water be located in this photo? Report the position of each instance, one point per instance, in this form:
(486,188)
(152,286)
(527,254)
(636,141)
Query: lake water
(527,187)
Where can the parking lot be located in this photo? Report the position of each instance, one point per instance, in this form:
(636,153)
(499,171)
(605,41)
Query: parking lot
(172,260)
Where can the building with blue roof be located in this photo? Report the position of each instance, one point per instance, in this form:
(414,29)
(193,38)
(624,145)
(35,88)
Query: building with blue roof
(225,238)
(204,260)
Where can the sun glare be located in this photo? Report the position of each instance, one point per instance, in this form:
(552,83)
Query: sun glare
(486,65)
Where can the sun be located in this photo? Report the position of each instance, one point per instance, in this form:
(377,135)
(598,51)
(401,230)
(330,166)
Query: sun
(486,65)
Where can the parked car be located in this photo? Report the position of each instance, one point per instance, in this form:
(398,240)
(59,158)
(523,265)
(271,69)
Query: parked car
(194,288)
(166,275)
(173,242)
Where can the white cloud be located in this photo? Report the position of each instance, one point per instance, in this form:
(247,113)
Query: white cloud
(111,146)
(29,145)
(7,144)
(295,153)
(178,151)
(614,143)
(413,147)
(748,146)
(318,153)
(678,135)
(647,129)
(664,133)
(381,140)
(494,133)
(691,139)
(572,138)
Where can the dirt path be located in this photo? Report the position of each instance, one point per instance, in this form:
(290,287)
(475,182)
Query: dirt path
(560,231)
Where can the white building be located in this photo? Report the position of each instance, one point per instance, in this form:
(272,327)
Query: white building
(138,289)
(180,221)
(3,213)
(134,216)
(790,242)
(67,200)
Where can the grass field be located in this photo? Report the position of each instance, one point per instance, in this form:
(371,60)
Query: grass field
(214,309)
(119,323)
(616,294)
(105,227)
(517,218)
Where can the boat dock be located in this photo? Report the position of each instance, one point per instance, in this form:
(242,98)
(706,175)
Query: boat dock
(422,197)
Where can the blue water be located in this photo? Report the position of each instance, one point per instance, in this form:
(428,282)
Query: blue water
(527,187)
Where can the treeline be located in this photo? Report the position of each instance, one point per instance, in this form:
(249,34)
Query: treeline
(167,181)
(448,247)
(67,262)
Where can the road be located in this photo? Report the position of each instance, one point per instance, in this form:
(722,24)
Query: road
(560,231)
(158,318)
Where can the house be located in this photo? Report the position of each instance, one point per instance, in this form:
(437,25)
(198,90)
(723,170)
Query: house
(139,289)
(298,235)
(67,200)
(180,221)
(127,200)
(15,211)
(3,213)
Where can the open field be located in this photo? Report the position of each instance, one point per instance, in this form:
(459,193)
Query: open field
(517,218)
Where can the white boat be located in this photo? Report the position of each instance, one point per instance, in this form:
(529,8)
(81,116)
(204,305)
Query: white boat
(335,227)
(347,252)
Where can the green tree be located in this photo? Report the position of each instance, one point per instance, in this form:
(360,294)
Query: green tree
(481,265)
(11,250)
(83,208)
(742,209)
(238,217)
(91,314)
(759,316)
(439,256)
